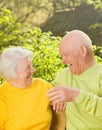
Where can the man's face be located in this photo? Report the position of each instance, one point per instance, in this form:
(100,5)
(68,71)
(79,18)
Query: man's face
(71,55)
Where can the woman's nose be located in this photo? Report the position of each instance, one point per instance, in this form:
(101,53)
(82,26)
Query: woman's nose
(32,70)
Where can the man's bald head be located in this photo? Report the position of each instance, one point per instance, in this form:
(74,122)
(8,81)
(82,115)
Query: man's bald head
(76,49)
(77,38)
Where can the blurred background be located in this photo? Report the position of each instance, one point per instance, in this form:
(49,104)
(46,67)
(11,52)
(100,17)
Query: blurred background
(59,16)
(38,25)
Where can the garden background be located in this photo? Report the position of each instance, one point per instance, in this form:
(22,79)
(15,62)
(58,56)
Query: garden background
(38,25)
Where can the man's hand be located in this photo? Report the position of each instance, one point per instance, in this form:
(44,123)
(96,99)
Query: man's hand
(58,107)
(59,96)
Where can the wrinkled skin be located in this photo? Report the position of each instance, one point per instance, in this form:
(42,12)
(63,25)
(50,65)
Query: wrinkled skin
(76,52)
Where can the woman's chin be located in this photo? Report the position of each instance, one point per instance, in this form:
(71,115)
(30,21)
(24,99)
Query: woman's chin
(29,81)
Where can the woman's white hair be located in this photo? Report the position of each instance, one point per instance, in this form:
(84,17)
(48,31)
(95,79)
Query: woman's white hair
(10,59)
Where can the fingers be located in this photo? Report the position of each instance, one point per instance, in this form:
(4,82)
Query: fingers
(64,106)
(52,93)
(59,107)
(53,89)
(54,106)
(56,98)
(57,94)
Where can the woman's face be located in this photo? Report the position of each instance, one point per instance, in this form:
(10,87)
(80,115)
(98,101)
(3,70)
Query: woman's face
(25,71)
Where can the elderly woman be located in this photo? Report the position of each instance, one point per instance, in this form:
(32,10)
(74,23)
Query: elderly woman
(23,101)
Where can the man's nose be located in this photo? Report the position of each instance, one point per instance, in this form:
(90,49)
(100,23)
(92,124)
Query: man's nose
(64,60)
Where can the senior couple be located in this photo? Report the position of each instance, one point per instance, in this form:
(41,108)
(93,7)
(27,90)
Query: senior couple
(74,103)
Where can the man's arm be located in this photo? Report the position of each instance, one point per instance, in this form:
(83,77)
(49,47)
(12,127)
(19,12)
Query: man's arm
(90,103)
(87,101)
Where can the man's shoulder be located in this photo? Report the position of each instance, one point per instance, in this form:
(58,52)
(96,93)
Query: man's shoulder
(63,77)
(99,68)
(65,71)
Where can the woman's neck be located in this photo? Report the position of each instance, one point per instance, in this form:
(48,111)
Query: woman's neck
(17,84)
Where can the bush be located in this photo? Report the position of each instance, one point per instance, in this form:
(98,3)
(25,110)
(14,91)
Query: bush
(45,46)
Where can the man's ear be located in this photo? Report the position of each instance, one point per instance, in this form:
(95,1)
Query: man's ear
(83,51)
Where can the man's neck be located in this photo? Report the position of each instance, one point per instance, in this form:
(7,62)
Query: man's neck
(89,64)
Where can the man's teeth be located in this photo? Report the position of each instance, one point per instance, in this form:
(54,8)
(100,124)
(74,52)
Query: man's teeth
(69,65)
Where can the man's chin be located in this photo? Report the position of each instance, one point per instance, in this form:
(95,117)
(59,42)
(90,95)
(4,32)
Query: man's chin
(72,71)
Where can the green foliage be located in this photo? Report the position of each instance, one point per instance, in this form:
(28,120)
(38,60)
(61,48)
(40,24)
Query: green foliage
(45,46)
(29,12)
(98,53)
(96,33)
(47,61)
(46,54)
(9,29)
(68,4)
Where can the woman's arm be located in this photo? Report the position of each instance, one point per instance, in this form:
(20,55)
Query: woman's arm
(58,121)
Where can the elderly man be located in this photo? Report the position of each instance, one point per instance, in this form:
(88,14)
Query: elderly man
(80,85)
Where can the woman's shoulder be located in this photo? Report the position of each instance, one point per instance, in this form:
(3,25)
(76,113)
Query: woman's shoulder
(41,82)
(2,87)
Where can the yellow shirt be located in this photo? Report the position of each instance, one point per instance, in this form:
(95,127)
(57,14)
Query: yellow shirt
(25,108)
